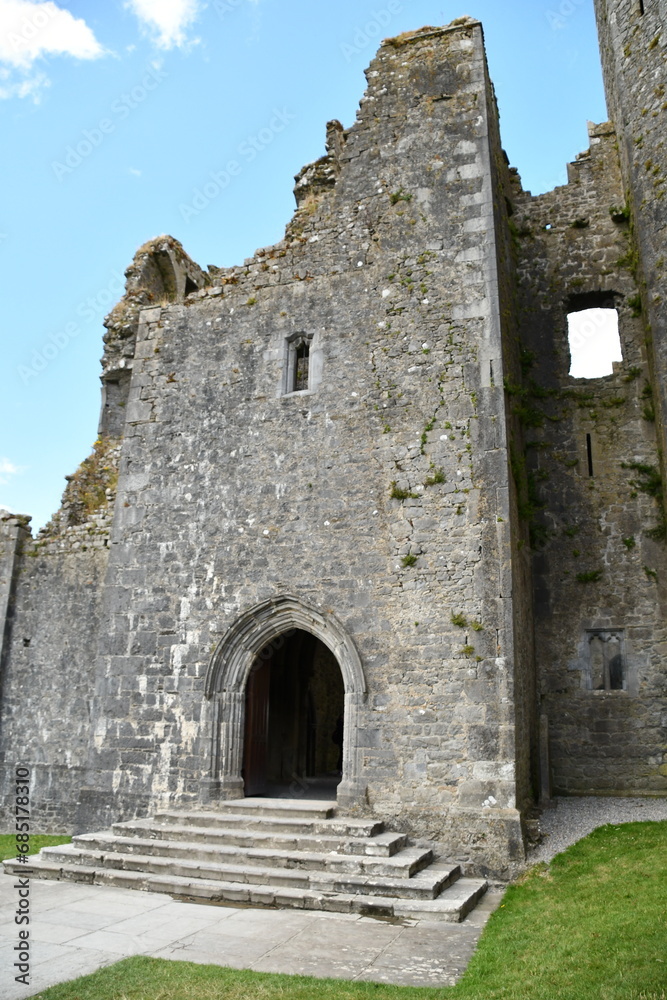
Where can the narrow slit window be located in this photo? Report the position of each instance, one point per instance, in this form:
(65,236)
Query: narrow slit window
(302,362)
(641,6)
(595,343)
(297,375)
(589,453)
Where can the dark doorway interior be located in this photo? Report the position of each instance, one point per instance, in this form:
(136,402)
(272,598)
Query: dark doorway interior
(294,719)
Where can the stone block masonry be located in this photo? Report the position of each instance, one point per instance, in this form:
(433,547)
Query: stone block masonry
(366,438)
(633,44)
(590,446)
(363,495)
(48,669)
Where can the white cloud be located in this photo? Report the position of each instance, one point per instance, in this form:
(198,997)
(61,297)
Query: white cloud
(7,470)
(167,19)
(30,85)
(29,31)
(134,171)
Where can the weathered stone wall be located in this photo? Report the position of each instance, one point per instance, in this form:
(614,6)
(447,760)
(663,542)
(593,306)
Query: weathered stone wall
(161,272)
(50,595)
(596,564)
(427,502)
(12,529)
(48,672)
(633,44)
(516,586)
(381,496)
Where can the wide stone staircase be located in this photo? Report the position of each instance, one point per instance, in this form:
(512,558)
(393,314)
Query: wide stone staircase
(267,852)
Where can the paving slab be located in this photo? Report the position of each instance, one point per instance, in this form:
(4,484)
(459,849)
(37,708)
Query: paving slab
(54,931)
(76,929)
(437,956)
(162,924)
(79,920)
(70,965)
(314,951)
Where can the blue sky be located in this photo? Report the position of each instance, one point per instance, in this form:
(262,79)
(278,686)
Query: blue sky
(114,114)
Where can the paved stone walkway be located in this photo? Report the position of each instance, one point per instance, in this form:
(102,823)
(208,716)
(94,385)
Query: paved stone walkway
(76,929)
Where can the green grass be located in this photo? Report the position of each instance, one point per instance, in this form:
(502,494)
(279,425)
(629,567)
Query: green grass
(154,979)
(8,844)
(590,926)
(593,924)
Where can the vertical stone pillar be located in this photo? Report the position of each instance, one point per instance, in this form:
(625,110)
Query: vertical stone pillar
(13,530)
(352,790)
(545,763)
(227,721)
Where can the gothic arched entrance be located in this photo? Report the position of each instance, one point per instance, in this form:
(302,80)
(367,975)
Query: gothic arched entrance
(304,648)
(294,719)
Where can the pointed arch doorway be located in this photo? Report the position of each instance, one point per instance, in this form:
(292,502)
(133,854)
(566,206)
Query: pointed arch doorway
(303,648)
(294,719)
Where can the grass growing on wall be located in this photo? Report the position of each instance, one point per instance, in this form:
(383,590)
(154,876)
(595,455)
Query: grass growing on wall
(592,924)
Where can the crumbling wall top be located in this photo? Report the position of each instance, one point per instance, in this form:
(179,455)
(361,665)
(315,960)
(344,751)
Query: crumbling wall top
(161,272)
(428,31)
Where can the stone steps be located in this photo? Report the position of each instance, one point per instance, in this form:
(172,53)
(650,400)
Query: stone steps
(402,865)
(426,884)
(380,844)
(453,905)
(267,852)
(311,809)
(332,826)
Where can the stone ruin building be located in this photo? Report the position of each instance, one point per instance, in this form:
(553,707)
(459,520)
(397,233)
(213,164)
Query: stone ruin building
(350,523)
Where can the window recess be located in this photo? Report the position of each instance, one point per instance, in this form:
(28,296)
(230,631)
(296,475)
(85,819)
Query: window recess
(593,334)
(298,366)
(606,655)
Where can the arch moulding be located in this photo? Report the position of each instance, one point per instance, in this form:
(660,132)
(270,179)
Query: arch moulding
(227,674)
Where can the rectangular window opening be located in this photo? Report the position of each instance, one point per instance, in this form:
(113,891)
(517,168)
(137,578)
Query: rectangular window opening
(297,375)
(607,660)
(641,7)
(595,342)
(301,366)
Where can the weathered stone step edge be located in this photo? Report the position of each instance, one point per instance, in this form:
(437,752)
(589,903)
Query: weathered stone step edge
(452,906)
(383,845)
(428,884)
(297,808)
(333,826)
(404,864)
(461,897)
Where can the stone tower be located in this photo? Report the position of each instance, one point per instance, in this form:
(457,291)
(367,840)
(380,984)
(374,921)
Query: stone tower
(633,44)
(350,517)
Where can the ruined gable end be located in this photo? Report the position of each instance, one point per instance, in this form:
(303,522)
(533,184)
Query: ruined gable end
(356,523)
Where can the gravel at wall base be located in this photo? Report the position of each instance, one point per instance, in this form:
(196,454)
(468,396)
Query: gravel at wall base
(567,820)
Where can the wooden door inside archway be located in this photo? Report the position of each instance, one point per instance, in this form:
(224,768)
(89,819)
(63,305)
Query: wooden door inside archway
(294,709)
